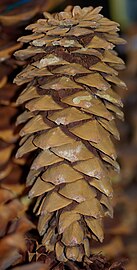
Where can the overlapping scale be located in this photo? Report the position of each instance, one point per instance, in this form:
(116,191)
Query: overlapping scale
(61,83)
(40,187)
(26,147)
(34,125)
(48,205)
(99,43)
(72,69)
(62,173)
(53,137)
(78,191)
(45,158)
(73,151)
(71,106)
(42,103)
(94,80)
(102,185)
(68,116)
(88,103)
(66,219)
(30,92)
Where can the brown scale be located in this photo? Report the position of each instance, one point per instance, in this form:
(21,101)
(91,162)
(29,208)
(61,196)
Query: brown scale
(71,175)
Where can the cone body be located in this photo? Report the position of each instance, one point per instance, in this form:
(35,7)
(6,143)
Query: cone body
(69,124)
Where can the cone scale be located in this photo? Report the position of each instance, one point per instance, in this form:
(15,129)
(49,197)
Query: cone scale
(69,123)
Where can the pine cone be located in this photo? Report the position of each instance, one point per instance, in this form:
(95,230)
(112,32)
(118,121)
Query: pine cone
(13,226)
(70,111)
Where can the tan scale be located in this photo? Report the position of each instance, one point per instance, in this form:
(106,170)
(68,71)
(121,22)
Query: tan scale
(92,167)
(29,52)
(85,209)
(66,219)
(43,222)
(91,24)
(46,240)
(94,80)
(22,118)
(29,93)
(33,174)
(35,124)
(115,39)
(26,147)
(62,173)
(115,109)
(29,38)
(94,131)
(103,185)
(111,96)
(73,253)
(105,145)
(105,21)
(73,235)
(78,31)
(73,151)
(110,126)
(88,51)
(59,248)
(116,80)
(107,29)
(49,59)
(71,69)
(44,41)
(114,163)
(58,31)
(48,205)
(40,187)
(43,103)
(99,43)
(66,43)
(53,137)
(32,73)
(68,116)
(96,227)
(61,83)
(78,191)
(106,202)
(109,57)
(102,67)
(45,158)
(89,103)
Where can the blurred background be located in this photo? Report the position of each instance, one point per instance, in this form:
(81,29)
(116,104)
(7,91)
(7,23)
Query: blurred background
(121,232)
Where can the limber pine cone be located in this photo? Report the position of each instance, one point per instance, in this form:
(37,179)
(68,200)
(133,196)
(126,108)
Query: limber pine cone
(69,121)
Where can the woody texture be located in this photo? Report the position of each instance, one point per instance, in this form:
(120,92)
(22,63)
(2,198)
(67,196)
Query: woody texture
(69,123)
